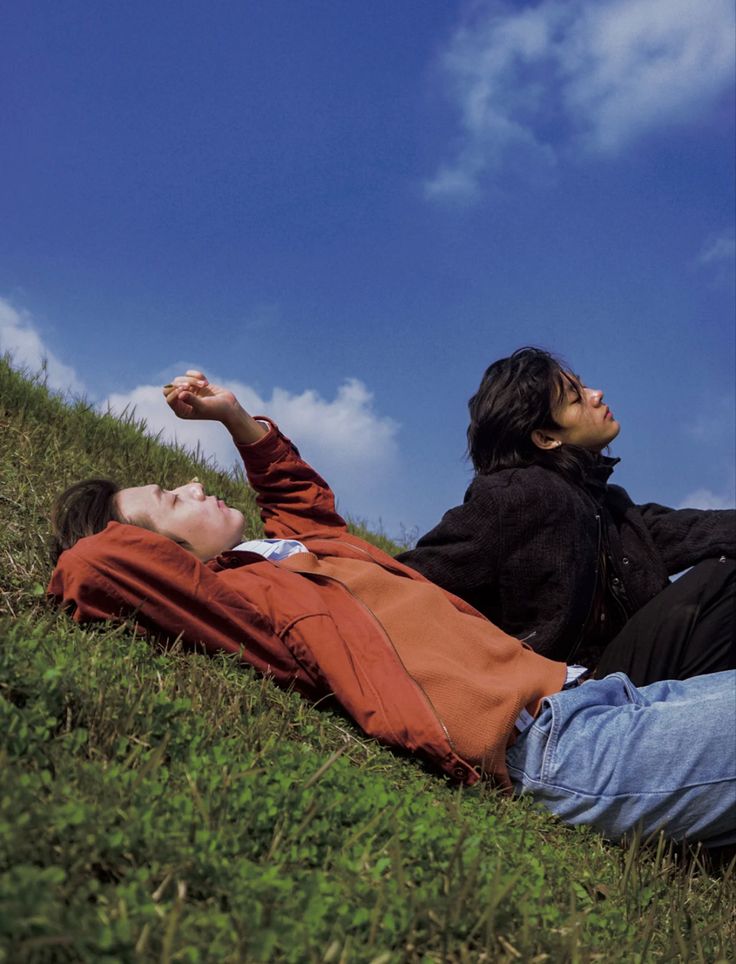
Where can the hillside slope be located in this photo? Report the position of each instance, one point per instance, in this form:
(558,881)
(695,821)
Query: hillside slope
(162,806)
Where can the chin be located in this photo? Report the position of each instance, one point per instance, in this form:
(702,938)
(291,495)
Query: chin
(236,534)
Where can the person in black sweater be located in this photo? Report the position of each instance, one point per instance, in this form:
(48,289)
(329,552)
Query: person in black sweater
(551,552)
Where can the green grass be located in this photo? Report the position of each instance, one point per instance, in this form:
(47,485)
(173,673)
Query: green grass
(163,806)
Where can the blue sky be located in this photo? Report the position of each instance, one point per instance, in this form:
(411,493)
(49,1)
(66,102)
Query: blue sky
(347,210)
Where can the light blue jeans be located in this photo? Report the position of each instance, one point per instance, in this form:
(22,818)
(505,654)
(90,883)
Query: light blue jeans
(616,757)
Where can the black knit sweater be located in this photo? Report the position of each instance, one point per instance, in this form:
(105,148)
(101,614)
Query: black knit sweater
(542,557)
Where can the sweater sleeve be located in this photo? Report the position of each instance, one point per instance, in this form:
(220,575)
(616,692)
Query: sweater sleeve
(461,552)
(293,499)
(521,549)
(685,537)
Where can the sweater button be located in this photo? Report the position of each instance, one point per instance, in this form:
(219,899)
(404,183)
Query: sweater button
(625,560)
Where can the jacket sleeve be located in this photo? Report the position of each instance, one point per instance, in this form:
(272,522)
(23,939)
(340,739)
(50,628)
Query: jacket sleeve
(294,501)
(126,571)
(461,553)
(685,537)
(522,551)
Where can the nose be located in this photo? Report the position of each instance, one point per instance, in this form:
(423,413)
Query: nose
(595,395)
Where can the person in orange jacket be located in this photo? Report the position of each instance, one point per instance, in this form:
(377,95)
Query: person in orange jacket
(317,608)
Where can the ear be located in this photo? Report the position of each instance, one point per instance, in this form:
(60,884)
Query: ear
(544,441)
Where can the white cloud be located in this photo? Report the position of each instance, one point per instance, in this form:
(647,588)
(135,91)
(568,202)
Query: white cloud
(347,441)
(718,248)
(352,446)
(707,499)
(540,81)
(20,338)
(712,422)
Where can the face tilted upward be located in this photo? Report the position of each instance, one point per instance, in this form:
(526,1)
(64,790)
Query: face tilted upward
(200,522)
(581,417)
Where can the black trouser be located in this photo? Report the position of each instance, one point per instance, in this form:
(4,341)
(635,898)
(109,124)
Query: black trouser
(688,629)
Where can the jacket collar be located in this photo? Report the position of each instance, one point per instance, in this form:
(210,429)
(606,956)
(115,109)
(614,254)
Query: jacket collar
(599,473)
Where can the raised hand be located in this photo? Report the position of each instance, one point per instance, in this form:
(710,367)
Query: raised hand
(192,396)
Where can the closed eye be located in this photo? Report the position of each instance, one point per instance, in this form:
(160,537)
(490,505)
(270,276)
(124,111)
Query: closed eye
(572,389)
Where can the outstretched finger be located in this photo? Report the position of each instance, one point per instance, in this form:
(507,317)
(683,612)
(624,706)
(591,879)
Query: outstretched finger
(193,379)
(182,401)
(180,393)
(173,388)
(189,379)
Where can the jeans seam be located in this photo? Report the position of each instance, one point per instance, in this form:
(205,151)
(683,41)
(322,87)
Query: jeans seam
(550,749)
(628,794)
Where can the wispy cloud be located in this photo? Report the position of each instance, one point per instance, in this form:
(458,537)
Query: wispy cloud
(718,249)
(537,82)
(712,422)
(21,339)
(707,499)
(710,434)
(263,316)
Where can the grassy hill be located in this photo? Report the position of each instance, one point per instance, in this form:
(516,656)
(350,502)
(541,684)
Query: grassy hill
(163,806)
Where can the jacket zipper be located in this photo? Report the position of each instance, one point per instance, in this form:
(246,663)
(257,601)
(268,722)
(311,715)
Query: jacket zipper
(619,601)
(579,640)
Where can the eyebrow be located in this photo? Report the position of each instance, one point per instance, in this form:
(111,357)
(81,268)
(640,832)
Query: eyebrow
(569,382)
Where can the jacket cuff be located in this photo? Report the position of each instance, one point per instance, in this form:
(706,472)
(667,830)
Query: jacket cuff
(266,450)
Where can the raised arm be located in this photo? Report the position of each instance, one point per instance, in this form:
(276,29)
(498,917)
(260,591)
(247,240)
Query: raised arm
(294,501)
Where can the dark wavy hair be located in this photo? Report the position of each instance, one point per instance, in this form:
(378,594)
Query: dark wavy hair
(82,510)
(517,395)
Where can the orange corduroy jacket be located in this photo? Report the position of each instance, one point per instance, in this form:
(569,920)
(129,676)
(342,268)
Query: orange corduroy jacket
(292,622)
